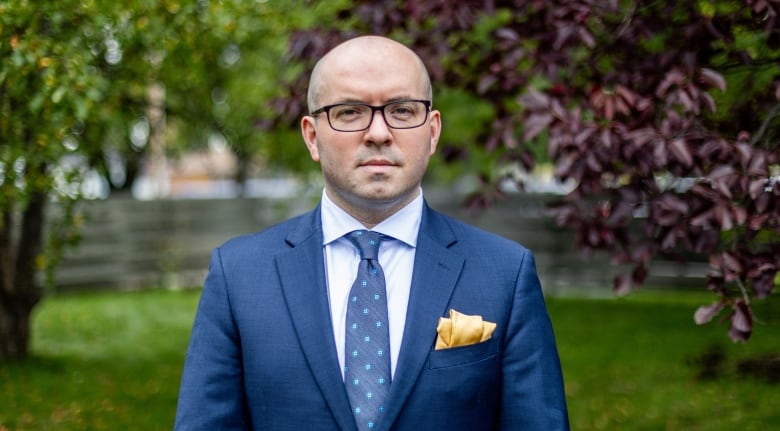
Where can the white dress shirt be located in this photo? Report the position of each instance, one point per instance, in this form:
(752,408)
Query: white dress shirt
(395,255)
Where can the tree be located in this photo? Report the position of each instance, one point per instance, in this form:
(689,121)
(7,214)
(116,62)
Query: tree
(665,116)
(47,83)
(77,79)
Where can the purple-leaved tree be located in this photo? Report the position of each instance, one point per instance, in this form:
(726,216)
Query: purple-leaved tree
(665,116)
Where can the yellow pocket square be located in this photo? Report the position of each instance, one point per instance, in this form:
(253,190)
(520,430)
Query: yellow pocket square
(461,330)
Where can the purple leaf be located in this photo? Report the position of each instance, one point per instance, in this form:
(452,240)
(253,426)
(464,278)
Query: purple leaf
(508,34)
(741,322)
(731,263)
(535,124)
(679,148)
(756,187)
(723,217)
(586,37)
(764,284)
(534,100)
(705,313)
(713,79)
(721,171)
(673,78)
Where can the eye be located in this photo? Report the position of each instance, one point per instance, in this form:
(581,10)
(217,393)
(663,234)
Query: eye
(347,112)
(403,109)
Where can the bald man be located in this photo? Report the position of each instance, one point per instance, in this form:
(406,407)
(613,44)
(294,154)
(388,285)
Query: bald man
(372,311)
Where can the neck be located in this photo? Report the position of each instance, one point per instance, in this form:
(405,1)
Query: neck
(372,212)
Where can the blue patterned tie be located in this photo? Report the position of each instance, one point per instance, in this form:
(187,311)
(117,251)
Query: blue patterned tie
(367,341)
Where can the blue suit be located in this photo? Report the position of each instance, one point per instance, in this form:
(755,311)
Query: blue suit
(262,355)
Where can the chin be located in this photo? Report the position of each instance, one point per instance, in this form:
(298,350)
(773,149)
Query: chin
(390,196)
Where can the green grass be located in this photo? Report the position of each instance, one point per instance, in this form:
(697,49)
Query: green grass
(112,361)
(100,362)
(629,364)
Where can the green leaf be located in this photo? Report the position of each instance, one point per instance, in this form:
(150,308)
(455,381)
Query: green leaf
(36,102)
(56,97)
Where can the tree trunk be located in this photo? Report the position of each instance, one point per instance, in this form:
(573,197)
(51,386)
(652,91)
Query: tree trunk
(14,330)
(7,345)
(19,290)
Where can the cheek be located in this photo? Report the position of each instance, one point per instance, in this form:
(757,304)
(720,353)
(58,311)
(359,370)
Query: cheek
(420,160)
(323,150)
(425,151)
(331,158)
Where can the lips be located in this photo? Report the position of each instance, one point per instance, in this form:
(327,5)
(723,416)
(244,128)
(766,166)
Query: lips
(377,163)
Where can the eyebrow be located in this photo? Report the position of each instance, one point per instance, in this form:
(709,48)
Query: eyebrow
(386,101)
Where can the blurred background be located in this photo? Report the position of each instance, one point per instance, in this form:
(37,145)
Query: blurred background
(634,146)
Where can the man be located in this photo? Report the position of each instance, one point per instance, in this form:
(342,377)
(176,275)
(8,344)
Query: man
(278,342)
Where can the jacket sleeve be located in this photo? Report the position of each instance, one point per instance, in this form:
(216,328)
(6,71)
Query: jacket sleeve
(211,396)
(533,397)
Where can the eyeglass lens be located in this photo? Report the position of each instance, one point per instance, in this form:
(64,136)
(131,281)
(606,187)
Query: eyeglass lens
(398,115)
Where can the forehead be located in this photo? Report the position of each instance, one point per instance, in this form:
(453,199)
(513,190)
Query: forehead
(371,73)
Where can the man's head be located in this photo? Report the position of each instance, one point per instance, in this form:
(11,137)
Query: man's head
(359,45)
(371,173)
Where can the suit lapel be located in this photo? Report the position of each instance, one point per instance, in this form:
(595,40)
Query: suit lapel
(436,271)
(307,300)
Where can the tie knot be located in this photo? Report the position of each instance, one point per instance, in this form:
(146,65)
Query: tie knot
(367,243)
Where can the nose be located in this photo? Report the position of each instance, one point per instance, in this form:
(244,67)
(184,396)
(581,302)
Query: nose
(378,132)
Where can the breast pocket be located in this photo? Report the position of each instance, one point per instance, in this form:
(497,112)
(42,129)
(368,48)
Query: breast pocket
(463,355)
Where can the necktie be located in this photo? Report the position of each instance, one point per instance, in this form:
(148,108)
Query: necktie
(367,341)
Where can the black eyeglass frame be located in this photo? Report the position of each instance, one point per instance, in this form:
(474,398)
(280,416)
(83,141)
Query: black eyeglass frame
(326,109)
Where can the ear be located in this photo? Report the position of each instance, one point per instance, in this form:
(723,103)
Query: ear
(309,132)
(435,124)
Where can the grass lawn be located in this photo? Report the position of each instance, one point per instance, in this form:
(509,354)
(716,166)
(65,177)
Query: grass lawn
(112,361)
(108,361)
(630,364)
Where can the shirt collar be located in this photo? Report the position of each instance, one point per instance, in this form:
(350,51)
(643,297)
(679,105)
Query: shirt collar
(403,225)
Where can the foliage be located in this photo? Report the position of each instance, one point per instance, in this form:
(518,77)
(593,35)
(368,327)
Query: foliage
(664,115)
(48,83)
(92,88)
(107,361)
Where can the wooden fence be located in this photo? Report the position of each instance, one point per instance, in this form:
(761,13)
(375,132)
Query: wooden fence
(131,244)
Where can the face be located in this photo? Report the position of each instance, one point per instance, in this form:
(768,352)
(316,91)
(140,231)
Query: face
(374,172)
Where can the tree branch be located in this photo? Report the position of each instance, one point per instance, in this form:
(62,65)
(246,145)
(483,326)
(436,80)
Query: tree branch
(745,295)
(773,113)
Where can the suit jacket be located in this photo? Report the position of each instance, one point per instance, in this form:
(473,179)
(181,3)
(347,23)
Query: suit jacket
(262,354)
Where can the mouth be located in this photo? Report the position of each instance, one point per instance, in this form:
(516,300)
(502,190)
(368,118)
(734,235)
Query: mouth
(377,163)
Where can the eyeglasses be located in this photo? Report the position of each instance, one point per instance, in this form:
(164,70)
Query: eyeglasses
(355,117)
